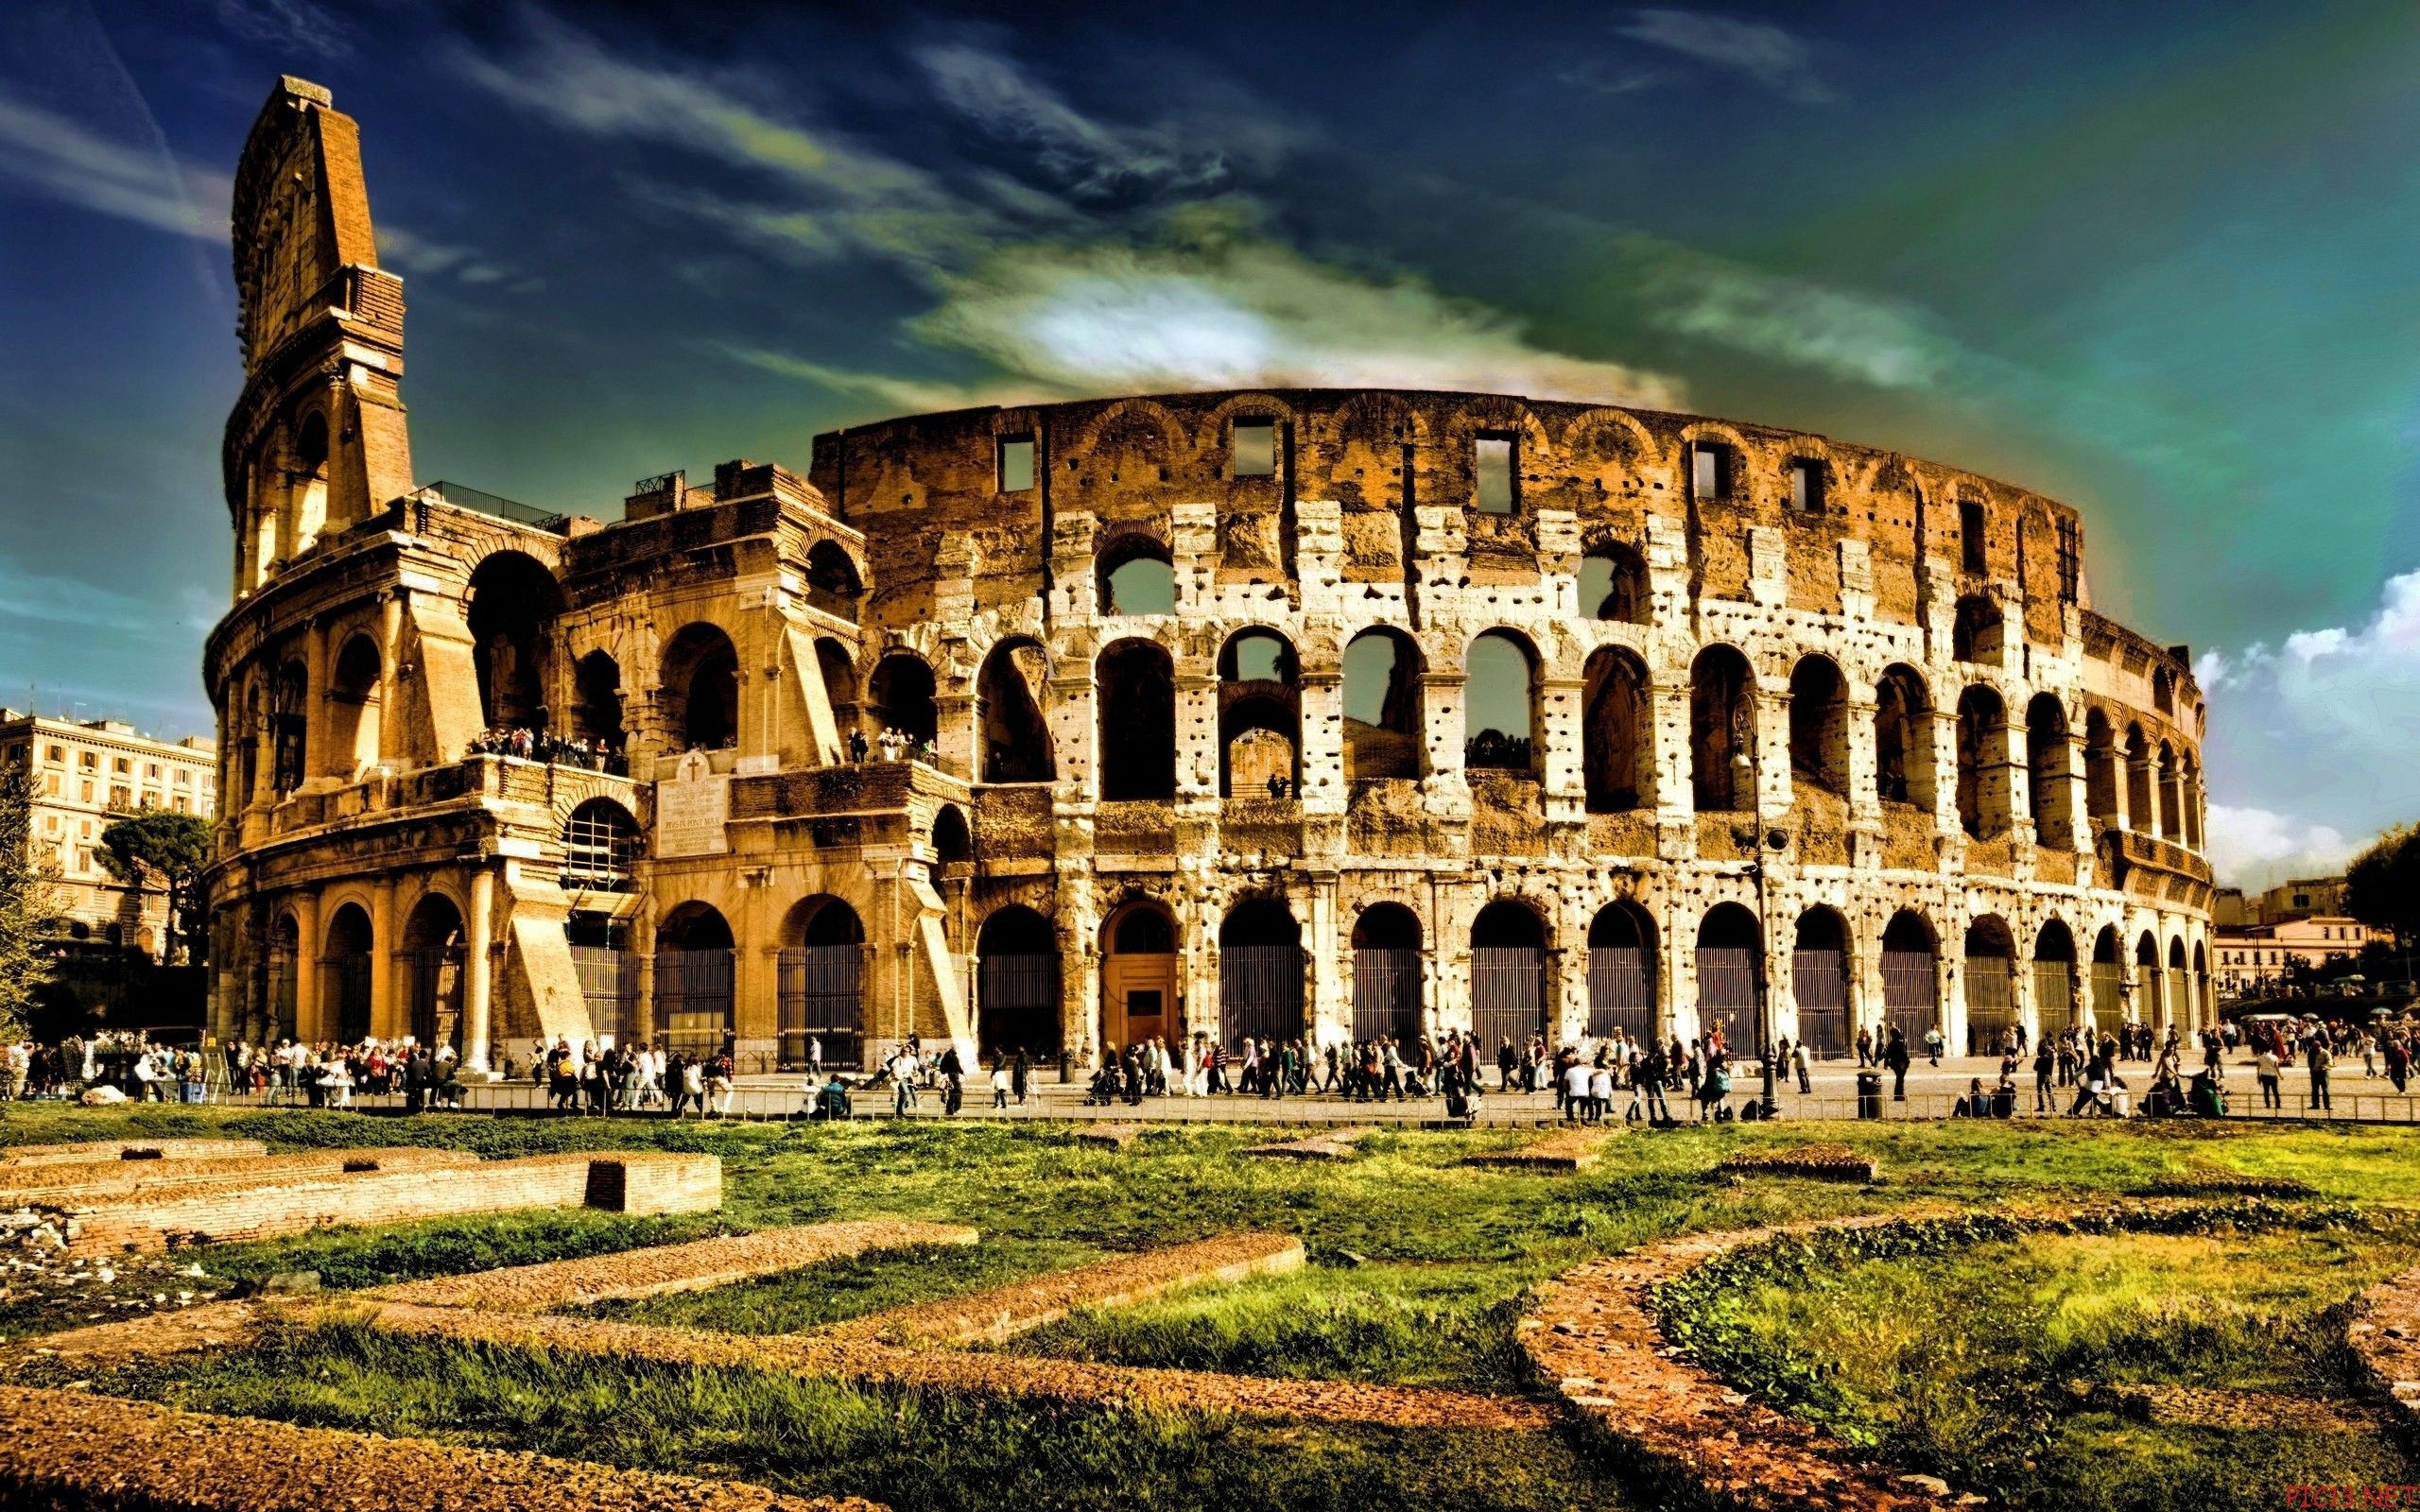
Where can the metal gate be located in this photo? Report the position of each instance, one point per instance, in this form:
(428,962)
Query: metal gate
(693,1000)
(1508,995)
(2176,998)
(1018,1004)
(2055,997)
(1820,986)
(434,978)
(1991,1003)
(1621,993)
(1386,996)
(281,998)
(609,983)
(1260,993)
(820,1001)
(1729,999)
(1911,998)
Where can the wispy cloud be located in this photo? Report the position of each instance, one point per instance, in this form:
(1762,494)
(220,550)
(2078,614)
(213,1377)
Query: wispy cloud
(2256,848)
(416,256)
(287,23)
(1088,158)
(1860,336)
(41,599)
(61,159)
(1775,58)
(896,394)
(2331,714)
(1212,304)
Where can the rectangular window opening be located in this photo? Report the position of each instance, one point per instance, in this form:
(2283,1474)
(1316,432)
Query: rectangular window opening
(1016,463)
(1492,459)
(1255,448)
(1971,547)
(1807,487)
(1709,470)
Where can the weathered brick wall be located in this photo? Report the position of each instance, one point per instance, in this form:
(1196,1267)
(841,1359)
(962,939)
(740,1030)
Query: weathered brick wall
(84,1152)
(162,1181)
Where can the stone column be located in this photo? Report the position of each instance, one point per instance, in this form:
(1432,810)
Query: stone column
(315,700)
(1322,752)
(1864,773)
(1771,754)
(1559,725)
(479,969)
(385,961)
(306,968)
(959,741)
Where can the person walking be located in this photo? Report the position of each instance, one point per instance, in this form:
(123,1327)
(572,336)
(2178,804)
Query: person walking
(2046,1065)
(2319,1058)
(999,1084)
(1895,1056)
(2265,1071)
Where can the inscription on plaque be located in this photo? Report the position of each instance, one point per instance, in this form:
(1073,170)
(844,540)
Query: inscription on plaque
(690,810)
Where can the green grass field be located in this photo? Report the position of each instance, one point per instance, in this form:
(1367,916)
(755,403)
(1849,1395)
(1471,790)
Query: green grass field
(1954,1357)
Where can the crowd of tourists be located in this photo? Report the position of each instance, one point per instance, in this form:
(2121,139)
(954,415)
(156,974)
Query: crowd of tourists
(891,745)
(538,745)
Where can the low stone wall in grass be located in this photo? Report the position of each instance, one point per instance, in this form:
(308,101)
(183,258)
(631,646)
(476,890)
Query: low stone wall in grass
(1817,1162)
(665,1269)
(215,1213)
(2384,1334)
(1564,1150)
(1593,1334)
(67,1450)
(82,1182)
(12,1156)
(1020,1307)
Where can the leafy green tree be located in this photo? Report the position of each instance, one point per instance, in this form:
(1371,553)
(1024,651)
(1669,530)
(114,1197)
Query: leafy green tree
(162,847)
(27,900)
(2382,886)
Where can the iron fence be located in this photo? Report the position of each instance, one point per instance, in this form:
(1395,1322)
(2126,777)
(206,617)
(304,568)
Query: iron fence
(1820,986)
(1260,993)
(1730,999)
(1018,1004)
(1991,1003)
(1910,995)
(1621,992)
(1386,995)
(693,999)
(1508,994)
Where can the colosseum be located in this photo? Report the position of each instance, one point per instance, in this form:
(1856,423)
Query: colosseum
(1330,714)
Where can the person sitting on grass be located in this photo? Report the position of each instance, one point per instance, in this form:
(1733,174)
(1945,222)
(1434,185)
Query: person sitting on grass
(1976,1103)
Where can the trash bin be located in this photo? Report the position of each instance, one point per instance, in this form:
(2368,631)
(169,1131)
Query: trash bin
(1869,1094)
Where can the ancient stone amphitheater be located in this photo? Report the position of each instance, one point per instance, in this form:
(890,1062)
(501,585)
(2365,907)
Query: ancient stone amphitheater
(1329,713)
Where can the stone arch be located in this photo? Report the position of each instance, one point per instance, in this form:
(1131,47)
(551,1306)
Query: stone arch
(1016,738)
(1991,984)
(838,668)
(347,951)
(1137,695)
(1017,984)
(596,701)
(1622,960)
(1819,977)
(900,696)
(2171,799)
(1385,974)
(1984,806)
(1384,734)
(693,951)
(2151,1001)
(1260,715)
(1910,976)
(1501,667)
(601,846)
(953,843)
(1722,730)
(1903,738)
(2163,691)
(2054,978)
(1976,631)
(2141,817)
(1618,742)
(1260,971)
(285,970)
(699,678)
(433,967)
(512,606)
(834,584)
(1509,999)
(2046,770)
(1731,978)
(353,734)
(819,983)
(287,724)
(1613,585)
(1819,724)
(2100,776)
(1136,575)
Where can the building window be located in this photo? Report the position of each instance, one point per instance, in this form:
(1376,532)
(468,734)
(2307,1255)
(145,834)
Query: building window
(50,785)
(58,755)
(152,771)
(1255,445)
(2070,563)
(1972,553)
(1492,457)
(123,767)
(88,791)
(87,761)
(1016,463)
(1709,470)
(1807,487)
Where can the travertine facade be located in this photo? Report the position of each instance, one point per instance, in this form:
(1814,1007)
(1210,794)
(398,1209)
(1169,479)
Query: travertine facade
(1311,712)
(87,775)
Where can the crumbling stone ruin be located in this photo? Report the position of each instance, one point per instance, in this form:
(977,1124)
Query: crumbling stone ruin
(1307,713)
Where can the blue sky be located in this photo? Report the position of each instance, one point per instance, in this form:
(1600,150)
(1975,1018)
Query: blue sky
(2156,261)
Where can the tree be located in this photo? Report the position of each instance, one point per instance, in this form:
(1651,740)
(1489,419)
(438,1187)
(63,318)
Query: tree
(26,899)
(166,847)
(2382,886)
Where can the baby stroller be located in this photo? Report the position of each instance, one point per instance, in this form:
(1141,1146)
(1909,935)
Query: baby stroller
(1103,1089)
